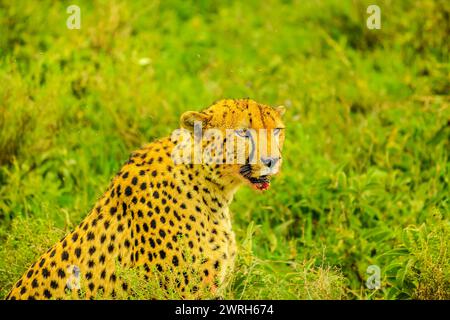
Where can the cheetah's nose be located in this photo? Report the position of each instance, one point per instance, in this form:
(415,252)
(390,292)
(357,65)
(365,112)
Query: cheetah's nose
(270,162)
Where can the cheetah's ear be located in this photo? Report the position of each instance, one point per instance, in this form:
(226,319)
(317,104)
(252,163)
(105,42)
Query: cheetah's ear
(281,110)
(189,118)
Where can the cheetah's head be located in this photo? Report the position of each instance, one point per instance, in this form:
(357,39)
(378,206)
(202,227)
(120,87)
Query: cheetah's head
(243,138)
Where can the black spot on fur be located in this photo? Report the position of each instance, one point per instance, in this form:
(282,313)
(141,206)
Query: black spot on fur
(64,256)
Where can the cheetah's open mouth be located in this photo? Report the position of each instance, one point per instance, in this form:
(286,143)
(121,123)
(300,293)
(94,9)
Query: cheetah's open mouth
(259,183)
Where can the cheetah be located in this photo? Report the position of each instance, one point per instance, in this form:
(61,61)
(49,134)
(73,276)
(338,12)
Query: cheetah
(164,215)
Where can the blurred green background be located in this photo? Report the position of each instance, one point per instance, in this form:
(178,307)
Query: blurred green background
(365,179)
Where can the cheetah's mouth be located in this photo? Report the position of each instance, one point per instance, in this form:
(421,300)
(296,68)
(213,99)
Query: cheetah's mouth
(260,183)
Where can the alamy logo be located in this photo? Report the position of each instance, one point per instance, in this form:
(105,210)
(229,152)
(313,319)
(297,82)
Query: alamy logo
(74,20)
(73,281)
(374,280)
(374,20)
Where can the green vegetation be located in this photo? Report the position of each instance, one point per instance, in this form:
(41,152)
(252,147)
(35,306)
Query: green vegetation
(365,177)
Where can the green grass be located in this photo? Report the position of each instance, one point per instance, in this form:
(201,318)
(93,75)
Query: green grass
(365,179)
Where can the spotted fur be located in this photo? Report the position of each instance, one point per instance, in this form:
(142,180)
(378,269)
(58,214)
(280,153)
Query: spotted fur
(160,216)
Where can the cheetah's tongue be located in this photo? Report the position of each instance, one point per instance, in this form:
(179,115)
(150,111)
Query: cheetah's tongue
(262,186)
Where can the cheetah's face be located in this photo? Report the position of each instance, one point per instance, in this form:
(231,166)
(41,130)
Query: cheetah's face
(253,136)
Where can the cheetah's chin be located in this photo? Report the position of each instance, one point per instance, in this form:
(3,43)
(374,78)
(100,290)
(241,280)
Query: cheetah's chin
(261,183)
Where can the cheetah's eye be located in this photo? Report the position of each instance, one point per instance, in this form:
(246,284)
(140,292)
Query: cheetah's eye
(243,133)
(276,131)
